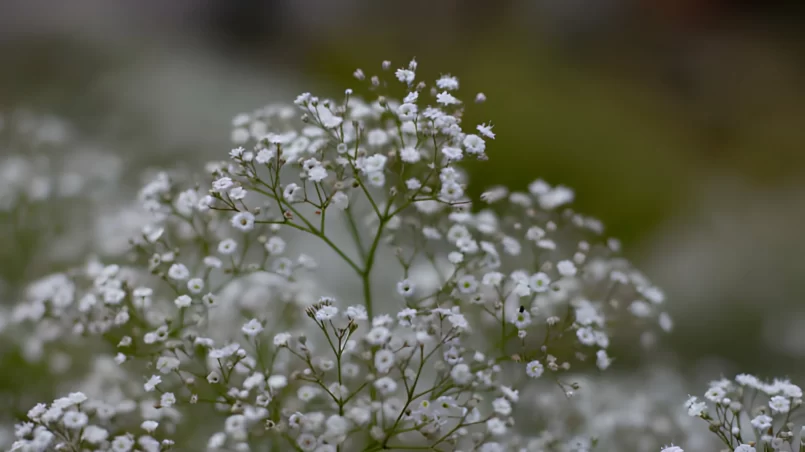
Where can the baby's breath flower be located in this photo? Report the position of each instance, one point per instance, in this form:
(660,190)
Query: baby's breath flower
(534,369)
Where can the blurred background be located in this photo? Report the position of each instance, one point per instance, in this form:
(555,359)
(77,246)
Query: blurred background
(680,123)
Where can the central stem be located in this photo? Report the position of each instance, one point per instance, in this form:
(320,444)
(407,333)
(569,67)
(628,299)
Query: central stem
(367,269)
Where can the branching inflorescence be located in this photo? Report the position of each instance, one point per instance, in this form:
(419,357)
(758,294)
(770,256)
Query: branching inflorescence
(484,299)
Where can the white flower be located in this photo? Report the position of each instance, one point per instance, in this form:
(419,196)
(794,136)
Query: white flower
(534,369)
(384,359)
(407,112)
(602,360)
(461,374)
(264,156)
(94,434)
(307,442)
(123,443)
(243,221)
(672,448)
(152,383)
(386,385)
(374,163)
(74,420)
(502,406)
(452,191)
(167,400)
(227,246)
(377,179)
(715,394)
(405,75)
(222,184)
(522,319)
(779,404)
(446,98)
(237,193)
(378,335)
(195,285)
(281,339)
(216,441)
(409,155)
(290,192)
(539,282)
(447,82)
(340,200)
(459,322)
(496,427)
(317,173)
(405,288)
(326,313)
(486,130)
(695,408)
(356,312)
(566,268)
(167,364)
(149,426)
(336,426)
(252,328)
(277,381)
(178,272)
(744,448)
(762,422)
(467,284)
(474,144)
(452,153)
(183,301)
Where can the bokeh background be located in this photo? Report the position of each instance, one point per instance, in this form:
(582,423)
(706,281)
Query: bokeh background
(680,123)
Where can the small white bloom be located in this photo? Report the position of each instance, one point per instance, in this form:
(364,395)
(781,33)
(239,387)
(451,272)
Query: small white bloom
(281,339)
(222,184)
(326,313)
(566,268)
(534,369)
(486,130)
(409,155)
(446,98)
(195,285)
(317,173)
(252,328)
(405,288)
(779,404)
(227,246)
(447,82)
(167,400)
(405,75)
(407,111)
(474,144)
(384,359)
(178,272)
(183,301)
(149,426)
(243,221)
(452,153)
(340,200)
(74,420)
(152,383)
(275,246)
(291,191)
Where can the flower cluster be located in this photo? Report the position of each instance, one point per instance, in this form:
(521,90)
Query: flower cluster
(74,422)
(417,320)
(748,414)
